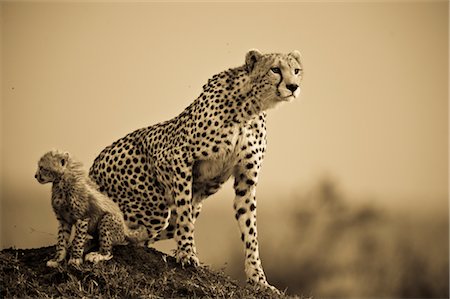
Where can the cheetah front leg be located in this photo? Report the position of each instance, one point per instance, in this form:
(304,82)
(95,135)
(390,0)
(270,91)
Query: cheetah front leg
(182,192)
(64,230)
(245,208)
(81,235)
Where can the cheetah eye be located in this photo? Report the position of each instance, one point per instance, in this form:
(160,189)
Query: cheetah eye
(296,71)
(276,70)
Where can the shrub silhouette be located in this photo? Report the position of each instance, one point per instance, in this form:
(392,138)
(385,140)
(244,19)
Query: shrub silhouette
(334,247)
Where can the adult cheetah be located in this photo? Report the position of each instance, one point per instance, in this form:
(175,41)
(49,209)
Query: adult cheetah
(77,202)
(159,175)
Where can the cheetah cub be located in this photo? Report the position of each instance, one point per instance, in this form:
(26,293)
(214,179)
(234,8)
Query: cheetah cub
(77,202)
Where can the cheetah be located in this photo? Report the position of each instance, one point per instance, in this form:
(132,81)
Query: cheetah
(77,202)
(160,175)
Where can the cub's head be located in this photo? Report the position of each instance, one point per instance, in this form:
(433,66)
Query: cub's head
(274,77)
(51,166)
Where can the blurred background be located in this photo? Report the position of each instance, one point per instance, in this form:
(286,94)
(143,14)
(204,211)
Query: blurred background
(353,197)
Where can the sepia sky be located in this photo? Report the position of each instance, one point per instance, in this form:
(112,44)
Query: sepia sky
(373,113)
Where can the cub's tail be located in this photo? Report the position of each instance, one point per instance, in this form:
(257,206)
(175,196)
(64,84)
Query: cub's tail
(136,235)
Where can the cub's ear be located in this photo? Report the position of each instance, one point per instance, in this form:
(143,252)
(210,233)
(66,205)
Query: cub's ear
(65,158)
(296,54)
(251,58)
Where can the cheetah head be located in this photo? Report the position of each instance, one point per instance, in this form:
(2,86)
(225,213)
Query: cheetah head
(274,78)
(51,166)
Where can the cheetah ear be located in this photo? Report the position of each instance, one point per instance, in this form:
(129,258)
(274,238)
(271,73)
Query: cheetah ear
(296,54)
(251,59)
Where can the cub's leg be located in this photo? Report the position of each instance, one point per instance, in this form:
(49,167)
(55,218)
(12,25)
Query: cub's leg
(64,230)
(79,241)
(111,232)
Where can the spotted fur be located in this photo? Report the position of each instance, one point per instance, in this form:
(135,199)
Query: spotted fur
(77,202)
(159,175)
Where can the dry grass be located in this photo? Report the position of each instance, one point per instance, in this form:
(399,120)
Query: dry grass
(134,272)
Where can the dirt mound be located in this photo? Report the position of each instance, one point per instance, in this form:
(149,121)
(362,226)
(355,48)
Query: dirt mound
(133,272)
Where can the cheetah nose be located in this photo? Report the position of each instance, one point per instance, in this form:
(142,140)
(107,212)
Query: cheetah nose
(292,87)
(35,176)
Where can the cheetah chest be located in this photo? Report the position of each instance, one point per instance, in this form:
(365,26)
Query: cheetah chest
(209,174)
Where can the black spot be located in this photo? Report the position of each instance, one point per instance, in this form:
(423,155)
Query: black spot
(247,222)
(241,192)
(252,207)
(250,182)
(155,221)
(249,166)
(240,212)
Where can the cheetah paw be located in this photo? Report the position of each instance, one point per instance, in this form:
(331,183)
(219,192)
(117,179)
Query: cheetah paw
(53,263)
(187,258)
(95,257)
(272,288)
(263,284)
(75,262)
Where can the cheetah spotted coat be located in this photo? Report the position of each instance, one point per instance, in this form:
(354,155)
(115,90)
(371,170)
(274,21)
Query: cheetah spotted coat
(159,175)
